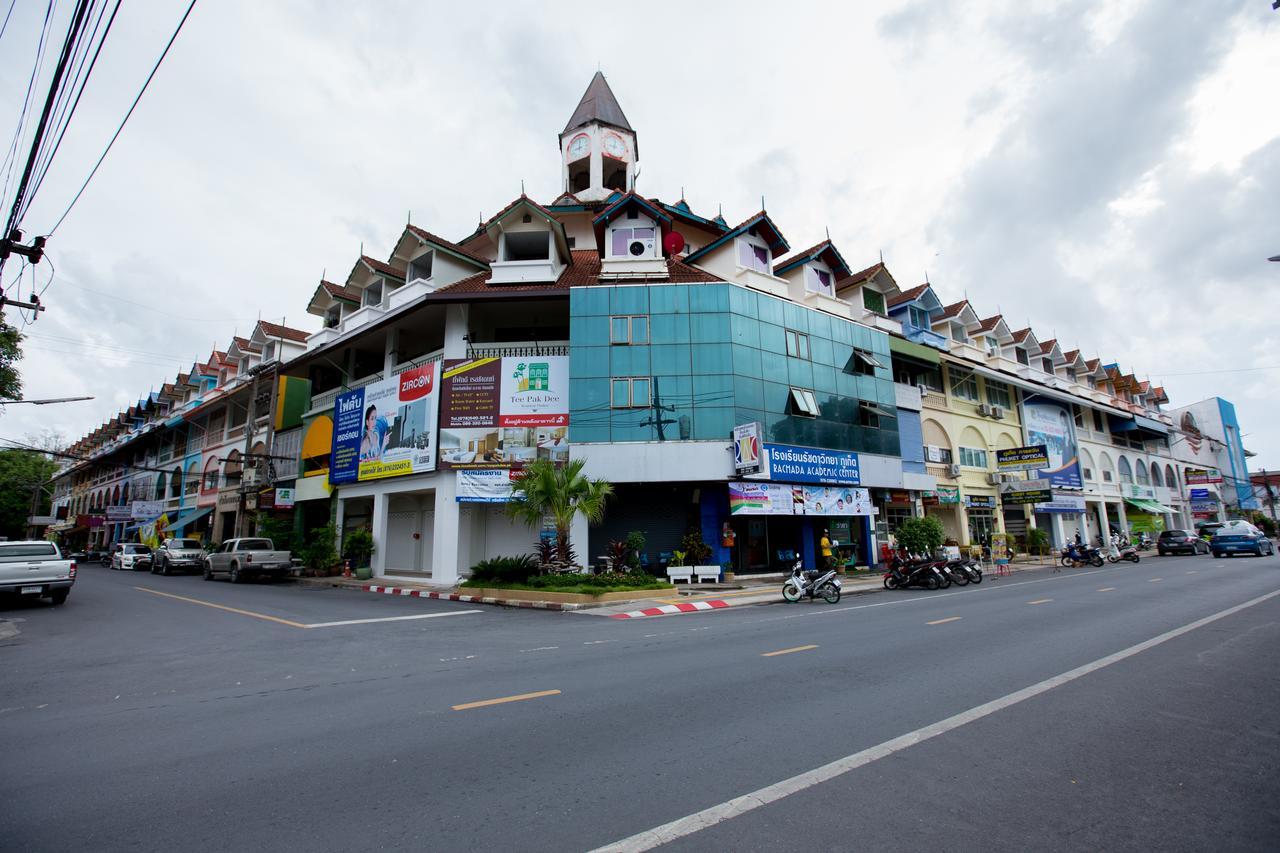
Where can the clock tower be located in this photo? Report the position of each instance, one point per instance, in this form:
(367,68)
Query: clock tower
(598,148)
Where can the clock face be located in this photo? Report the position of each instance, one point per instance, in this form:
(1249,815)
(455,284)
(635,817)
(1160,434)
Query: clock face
(614,146)
(579,146)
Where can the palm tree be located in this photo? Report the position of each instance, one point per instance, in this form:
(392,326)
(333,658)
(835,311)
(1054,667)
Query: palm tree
(561,492)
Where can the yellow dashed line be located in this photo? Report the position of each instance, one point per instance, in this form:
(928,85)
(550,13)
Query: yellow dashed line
(787,651)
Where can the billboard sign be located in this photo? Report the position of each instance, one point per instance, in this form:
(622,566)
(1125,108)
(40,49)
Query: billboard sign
(1022,458)
(387,428)
(504,412)
(119,513)
(146,510)
(485,485)
(1203,476)
(1051,424)
(794,464)
(1026,492)
(746,448)
(748,498)
(941,495)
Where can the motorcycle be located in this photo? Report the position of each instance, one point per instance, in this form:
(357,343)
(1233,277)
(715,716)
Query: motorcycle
(922,573)
(1123,551)
(954,573)
(826,584)
(969,568)
(1144,543)
(1075,556)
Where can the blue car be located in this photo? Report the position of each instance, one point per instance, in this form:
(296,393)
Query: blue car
(1241,538)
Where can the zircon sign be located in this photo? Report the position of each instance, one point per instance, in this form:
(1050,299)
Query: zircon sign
(386,429)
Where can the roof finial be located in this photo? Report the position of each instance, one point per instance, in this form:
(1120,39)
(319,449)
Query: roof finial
(882,257)
(682,193)
(926,277)
(522,186)
(762,201)
(362,248)
(828,233)
(410,219)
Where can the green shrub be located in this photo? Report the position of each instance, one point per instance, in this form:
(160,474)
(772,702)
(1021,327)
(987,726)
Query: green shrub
(357,546)
(505,569)
(318,552)
(1037,541)
(696,552)
(635,543)
(279,531)
(920,535)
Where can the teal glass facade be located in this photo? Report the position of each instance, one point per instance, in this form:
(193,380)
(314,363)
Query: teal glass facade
(717,355)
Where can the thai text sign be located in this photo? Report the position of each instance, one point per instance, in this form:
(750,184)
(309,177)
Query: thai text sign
(778,499)
(386,429)
(1203,476)
(119,513)
(500,412)
(485,485)
(1023,458)
(146,510)
(941,495)
(1026,492)
(812,465)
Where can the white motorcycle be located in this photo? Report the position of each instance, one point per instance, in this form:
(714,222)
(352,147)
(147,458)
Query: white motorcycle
(825,584)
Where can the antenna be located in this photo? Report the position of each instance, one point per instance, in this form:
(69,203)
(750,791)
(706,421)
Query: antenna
(762,207)
(410,219)
(926,277)
(828,227)
(522,186)
(682,193)
(882,257)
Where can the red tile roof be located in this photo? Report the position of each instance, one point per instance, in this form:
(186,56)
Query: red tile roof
(275,330)
(906,295)
(990,323)
(341,291)
(1021,335)
(382,267)
(954,309)
(863,275)
(446,244)
(584,271)
(1071,356)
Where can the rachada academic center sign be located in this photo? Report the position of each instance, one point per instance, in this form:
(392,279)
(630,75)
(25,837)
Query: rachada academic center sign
(793,464)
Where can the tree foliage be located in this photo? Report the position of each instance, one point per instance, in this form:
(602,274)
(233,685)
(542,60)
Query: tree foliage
(921,535)
(10,352)
(21,472)
(559,492)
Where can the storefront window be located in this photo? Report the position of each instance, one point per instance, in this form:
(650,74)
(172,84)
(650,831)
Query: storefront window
(981,525)
(998,394)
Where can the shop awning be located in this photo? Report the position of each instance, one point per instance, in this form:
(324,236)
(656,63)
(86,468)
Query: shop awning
(187,518)
(919,352)
(1149,506)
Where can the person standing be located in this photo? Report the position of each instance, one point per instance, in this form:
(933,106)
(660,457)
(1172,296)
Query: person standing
(828,561)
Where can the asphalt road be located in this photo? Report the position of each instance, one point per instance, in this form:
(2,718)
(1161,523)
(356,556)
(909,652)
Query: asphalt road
(218,717)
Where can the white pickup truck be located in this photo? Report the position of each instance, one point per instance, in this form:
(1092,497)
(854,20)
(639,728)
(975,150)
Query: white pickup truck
(241,559)
(36,568)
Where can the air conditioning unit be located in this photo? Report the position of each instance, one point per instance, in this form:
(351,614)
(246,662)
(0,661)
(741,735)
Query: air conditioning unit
(997,412)
(641,248)
(953,471)
(986,411)
(995,479)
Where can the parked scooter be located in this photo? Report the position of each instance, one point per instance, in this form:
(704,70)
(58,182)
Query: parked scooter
(969,568)
(1076,555)
(1122,550)
(1144,543)
(916,572)
(800,584)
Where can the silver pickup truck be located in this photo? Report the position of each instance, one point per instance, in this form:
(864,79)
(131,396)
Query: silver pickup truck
(36,568)
(241,559)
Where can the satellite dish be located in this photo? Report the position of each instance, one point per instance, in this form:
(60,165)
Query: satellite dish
(673,242)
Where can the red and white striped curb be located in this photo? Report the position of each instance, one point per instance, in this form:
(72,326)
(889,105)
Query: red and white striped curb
(667,609)
(474,599)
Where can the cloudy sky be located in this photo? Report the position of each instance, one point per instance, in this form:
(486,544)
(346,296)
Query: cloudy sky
(1107,171)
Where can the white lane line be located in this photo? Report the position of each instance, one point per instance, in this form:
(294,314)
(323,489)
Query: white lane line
(668,832)
(541,649)
(390,619)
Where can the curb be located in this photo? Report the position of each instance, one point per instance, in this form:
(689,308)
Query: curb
(470,599)
(668,609)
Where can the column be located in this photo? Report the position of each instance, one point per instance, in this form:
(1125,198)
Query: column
(580,538)
(1124,521)
(378,562)
(389,354)
(448,529)
(457,318)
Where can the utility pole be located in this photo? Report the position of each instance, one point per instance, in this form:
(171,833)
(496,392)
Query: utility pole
(242,518)
(657,419)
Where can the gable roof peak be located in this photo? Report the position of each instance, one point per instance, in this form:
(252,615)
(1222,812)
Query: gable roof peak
(598,105)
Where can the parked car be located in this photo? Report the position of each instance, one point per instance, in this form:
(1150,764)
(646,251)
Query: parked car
(36,568)
(177,555)
(1206,529)
(1240,537)
(241,559)
(126,555)
(1180,542)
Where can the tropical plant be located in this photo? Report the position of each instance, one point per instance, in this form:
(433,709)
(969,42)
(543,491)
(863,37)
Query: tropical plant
(677,558)
(618,554)
(635,543)
(561,492)
(318,553)
(279,531)
(505,569)
(358,547)
(920,535)
(696,551)
(23,474)
(1037,541)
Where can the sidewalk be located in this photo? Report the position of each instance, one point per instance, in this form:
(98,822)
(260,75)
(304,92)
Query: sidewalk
(685,598)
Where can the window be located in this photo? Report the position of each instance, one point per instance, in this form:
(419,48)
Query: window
(963,386)
(526,246)
(958,333)
(971,457)
(1088,473)
(1021,355)
(1143,477)
(420,267)
(269,351)
(915,314)
(1077,414)
(372,294)
(1097,422)
(869,414)
(863,363)
(1126,471)
(629,330)
(998,394)
(1047,364)
(572,241)
(797,345)
(937,454)
(993,346)
(819,281)
(632,243)
(753,257)
(1106,477)
(630,393)
(804,403)
(873,300)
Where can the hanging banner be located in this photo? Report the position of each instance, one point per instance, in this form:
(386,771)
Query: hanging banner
(1022,458)
(1026,492)
(119,513)
(486,485)
(146,510)
(746,448)
(760,499)
(1050,424)
(812,465)
(942,495)
(500,412)
(824,500)
(1140,522)
(1063,503)
(1137,492)
(386,429)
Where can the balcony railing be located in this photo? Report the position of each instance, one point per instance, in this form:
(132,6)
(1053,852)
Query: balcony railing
(920,335)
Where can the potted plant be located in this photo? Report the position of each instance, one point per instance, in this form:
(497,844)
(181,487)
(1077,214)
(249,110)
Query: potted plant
(358,546)
(318,553)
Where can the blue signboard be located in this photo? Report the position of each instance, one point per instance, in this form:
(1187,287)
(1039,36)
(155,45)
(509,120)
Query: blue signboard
(791,464)
(348,416)
(1050,423)
(1200,495)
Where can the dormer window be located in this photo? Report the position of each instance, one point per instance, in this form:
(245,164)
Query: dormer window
(958,334)
(753,255)
(633,242)
(372,294)
(1021,355)
(917,315)
(526,246)
(269,351)
(819,281)
(244,364)
(1048,365)
(420,267)
(993,346)
(332,316)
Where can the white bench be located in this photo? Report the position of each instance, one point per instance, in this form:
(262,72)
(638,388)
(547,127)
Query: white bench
(711,573)
(675,573)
